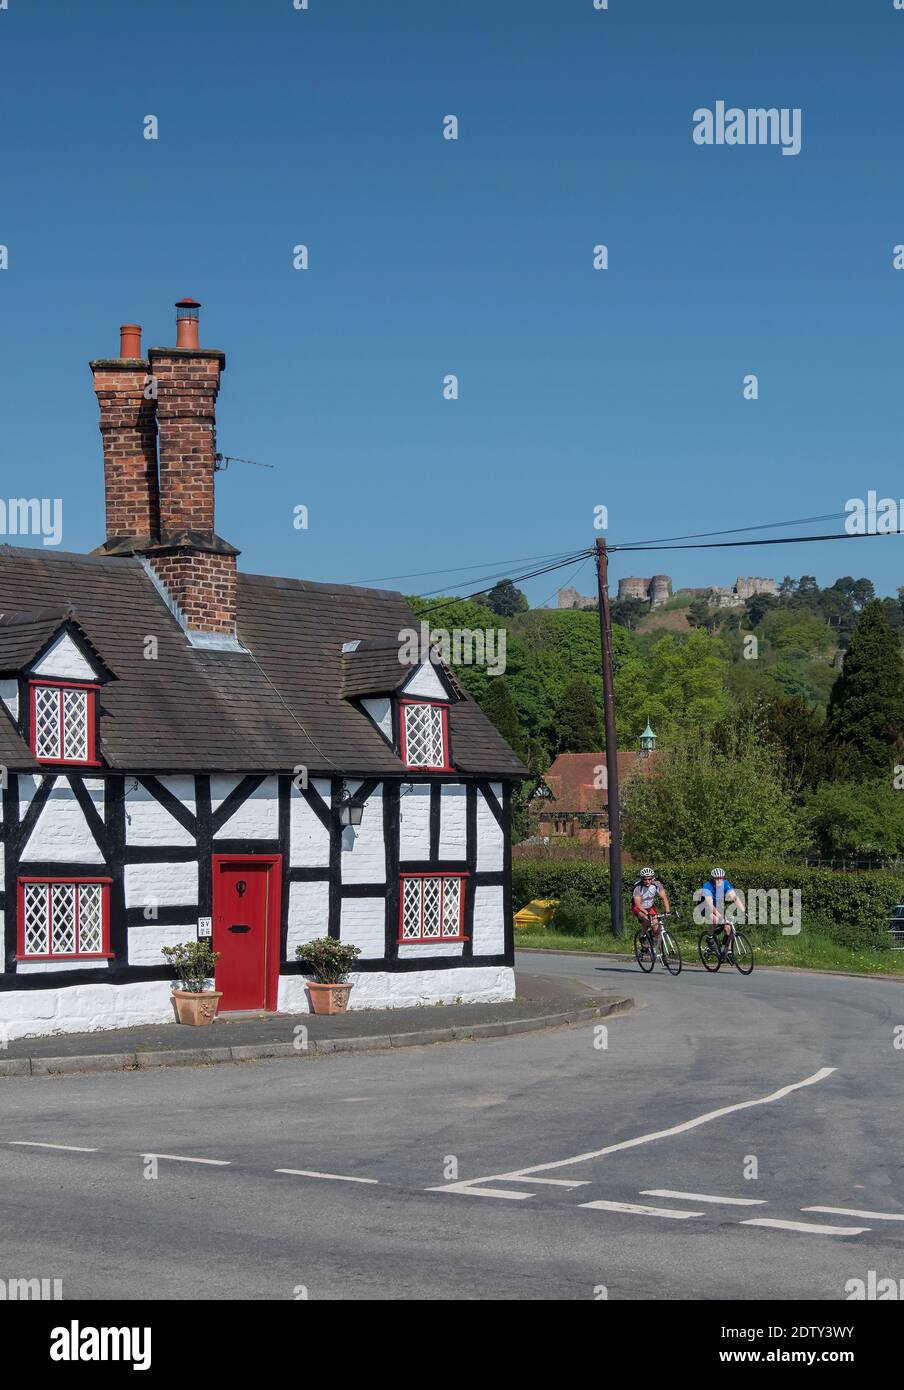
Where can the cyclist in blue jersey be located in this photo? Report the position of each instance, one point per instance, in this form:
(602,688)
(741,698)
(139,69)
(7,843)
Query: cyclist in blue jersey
(715,894)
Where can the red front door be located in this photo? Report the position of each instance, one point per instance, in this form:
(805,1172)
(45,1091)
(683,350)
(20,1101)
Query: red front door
(246,929)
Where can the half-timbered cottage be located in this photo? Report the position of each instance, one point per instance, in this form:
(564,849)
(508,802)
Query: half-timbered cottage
(180,743)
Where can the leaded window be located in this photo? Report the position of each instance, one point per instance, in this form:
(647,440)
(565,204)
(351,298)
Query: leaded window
(432,907)
(62,723)
(62,919)
(424,727)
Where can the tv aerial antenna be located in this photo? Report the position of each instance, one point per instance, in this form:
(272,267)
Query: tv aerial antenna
(222,462)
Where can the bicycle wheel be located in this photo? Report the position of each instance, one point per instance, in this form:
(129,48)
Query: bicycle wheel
(643,950)
(671,954)
(709,955)
(741,953)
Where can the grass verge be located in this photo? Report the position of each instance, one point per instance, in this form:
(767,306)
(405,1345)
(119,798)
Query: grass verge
(812,951)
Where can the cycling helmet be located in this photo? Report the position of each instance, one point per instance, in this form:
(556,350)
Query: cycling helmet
(648,873)
(717,873)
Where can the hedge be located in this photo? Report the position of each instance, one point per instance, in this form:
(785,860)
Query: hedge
(851,909)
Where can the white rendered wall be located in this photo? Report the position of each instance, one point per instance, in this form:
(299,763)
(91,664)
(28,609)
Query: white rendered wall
(453,823)
(490,839)
(146,942)
(61,834)
(163,885)
(489,921)
(309,839)
(148,824)
(9,694)
(480,984)
(430,948)
(414,821)
(64,661)
(32,1013)
(363,924)
(426,683)
(54,967)
(309,914)
(380,711)
(258,816)
(363,851)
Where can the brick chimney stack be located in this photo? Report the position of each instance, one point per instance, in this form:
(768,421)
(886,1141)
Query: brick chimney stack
(128,430)
(197,568)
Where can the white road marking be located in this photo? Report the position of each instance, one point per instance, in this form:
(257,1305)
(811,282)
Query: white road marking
(36,1144)
(311,1173)
(483,1192)
(702,1197)
(810,1227)
(181,1158)
(850,1211)
(639,1210)
(553,1182)
(518,1173)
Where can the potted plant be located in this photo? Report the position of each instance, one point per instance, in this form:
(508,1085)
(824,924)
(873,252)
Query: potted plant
(329,961)
(194,962)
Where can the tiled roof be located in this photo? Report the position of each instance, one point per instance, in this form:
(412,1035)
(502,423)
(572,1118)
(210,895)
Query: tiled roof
(572,776)
(24,634)
(277,705)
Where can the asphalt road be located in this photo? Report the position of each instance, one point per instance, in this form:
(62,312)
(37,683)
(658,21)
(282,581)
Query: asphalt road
(449,1145)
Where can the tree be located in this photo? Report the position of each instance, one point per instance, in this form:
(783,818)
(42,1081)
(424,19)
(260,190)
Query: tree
(757,606)
(866,703)
(846,818)
(577,719)
(627,612)
(505,600)
(498,706)
(699,614)
(708,798)
(792,725)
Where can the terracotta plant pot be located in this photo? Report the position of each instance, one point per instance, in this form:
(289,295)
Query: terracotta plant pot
(196,1008)
(328,999)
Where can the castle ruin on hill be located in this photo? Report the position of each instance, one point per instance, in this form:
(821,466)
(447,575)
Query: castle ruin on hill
(658,590)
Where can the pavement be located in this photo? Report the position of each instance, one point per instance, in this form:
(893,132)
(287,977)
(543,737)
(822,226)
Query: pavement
(541,1002)
(727,1138)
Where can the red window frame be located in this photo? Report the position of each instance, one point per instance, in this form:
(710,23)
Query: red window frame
(104,954)
(445,765)
(92,759)
(432,940)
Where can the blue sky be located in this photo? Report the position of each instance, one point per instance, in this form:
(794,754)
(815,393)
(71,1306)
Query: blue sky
(578,388)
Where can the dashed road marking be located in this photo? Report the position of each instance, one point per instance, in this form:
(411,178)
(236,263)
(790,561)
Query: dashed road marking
(483,1192)
(809,1228)
(551,1182)
(312,1173)
(866,1215)
(638,1210)
(182,1158)
(703,1197)
(37,1144)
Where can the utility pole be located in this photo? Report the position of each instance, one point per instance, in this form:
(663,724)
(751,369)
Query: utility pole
(615,864)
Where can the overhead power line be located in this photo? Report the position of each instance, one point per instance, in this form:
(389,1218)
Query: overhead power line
(728,531)
(766,540)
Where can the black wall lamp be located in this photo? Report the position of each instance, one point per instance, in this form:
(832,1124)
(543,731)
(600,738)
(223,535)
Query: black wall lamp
(351,807)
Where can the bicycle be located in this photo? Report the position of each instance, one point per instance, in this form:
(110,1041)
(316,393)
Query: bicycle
(668,952)
(738,951)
